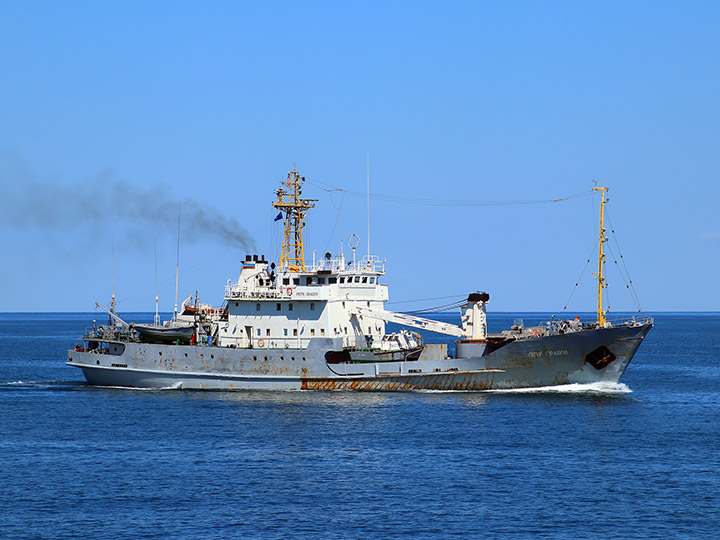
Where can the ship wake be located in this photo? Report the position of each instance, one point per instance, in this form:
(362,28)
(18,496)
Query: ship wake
(175,386)
(603,388)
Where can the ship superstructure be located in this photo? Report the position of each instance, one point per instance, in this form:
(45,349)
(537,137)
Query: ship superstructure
(322,325)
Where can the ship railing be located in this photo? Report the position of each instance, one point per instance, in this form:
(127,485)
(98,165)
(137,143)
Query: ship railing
(233,291)
(107,333)
(368,264)
(634,320)
(338,264)
(567,326)
(260,344)
(335,264)
(290,343)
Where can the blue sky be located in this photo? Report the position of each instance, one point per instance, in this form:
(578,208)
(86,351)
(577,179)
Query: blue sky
(114,113)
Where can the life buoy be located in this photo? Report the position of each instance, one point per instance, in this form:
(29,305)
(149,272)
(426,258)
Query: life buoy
(289,291)
(261,343)
(535,332)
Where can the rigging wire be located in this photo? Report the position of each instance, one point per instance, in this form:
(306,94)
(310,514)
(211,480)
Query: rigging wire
(437,309)
(624,273)
(425,299)
(439,202)
(460,300)
(572,293)
(337,219)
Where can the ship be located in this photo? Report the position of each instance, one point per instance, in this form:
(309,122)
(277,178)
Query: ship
(297,325)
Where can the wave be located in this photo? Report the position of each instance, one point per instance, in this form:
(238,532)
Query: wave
(38,384)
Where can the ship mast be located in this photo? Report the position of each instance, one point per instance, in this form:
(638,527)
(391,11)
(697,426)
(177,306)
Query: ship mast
(601,259)
(295,208)
(112,302)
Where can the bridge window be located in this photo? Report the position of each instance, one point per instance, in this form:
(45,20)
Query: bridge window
(312,331)
(332,280)
(267,332)
(296,281)
(259,332)
(261,282)
(364,279)
(342,280)
(295,332)
(322,331)
(357,279)
(321,281)
(284,331)
(372,280)
(286,281)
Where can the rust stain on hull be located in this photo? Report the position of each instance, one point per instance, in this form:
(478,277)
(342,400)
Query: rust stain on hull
(436,381)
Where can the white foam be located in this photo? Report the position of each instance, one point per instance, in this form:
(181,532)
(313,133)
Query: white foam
(33,384)
(603,387)
(176,386)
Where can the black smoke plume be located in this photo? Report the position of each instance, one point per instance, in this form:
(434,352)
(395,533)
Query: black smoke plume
(29,202)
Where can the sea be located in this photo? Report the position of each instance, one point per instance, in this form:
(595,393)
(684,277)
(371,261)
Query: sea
(639,459)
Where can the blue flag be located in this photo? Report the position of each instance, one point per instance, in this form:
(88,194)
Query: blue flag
(278,217)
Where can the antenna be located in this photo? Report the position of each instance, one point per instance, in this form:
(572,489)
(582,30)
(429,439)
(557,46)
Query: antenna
(354,242)
(368,204)
(112,302)
(157,315)
(342,253)
(177,267)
